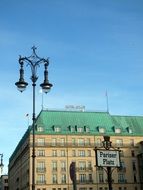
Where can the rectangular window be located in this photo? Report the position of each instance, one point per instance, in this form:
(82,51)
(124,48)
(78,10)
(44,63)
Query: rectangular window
(88,153)
(133,153)
(54,153)
(73,153)
(63,153)
(98,142)
(121,178)
(63,178)
(88,142)
(101,178)
(81,142)
(54,142)
(87,129)
(79,129)
(62,142)
(54,178)
(72,128)
(63,166)
(54,166)
(40,129)
(135,178)
(82,178)
(57,129)
(41,166)
(130,130)
(40,152)
(82,165)
(117,130)
(89,165)
(73,142)
(90,177)
(101,130)
(132,142)
(119,142)
(81,153)
(40,141)
(41,179)
(134,165)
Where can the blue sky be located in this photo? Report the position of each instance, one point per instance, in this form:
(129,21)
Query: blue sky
(93,45)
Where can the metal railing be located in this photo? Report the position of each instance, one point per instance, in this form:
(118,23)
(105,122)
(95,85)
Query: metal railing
(84,145)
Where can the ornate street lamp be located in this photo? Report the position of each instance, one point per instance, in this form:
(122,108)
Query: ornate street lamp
(33,61)
(1,163)
(107,145)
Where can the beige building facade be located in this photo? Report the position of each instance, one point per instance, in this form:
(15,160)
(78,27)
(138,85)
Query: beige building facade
(63,137)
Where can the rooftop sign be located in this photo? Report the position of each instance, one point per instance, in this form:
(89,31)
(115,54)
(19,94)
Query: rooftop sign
(107,158)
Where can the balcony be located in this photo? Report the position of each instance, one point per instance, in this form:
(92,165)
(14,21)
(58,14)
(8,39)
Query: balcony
(121,169)
(122,181)
(91,145)
(41,170)
(84,181)
(85,169)
(40,182)
(54,169)
(63,169)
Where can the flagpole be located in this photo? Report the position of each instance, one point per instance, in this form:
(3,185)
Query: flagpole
(107,103)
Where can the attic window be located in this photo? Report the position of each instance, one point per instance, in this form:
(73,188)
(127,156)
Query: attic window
(117,130)
(79,129)
(130,130)
(101,130)
(57,128)
(86,129)
(72,129)
(40,129)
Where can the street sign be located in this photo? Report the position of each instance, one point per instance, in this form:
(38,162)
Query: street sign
(107,158)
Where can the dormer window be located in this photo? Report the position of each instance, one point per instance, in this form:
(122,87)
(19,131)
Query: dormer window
(79,129)
(117,130)
(40,129)
(101,130)
(86,129)
(57,128)
(72,129)
(130,130)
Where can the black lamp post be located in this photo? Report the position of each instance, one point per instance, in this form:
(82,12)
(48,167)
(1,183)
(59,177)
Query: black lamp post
(33,61)
(1,163)
(107,145)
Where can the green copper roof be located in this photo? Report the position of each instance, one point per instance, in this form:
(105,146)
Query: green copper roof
(92,120)
(48,120)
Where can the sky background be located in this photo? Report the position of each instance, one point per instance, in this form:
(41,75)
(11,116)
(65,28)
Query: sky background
(93,45)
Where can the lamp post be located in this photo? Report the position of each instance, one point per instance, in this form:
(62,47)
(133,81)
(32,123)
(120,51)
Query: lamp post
(107,145)
(34,62)
(1,163)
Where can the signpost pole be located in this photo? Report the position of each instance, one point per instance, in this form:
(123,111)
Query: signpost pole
(107,158)
(109,176)
(73,175)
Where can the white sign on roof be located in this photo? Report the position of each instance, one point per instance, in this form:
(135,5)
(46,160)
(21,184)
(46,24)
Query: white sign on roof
(107,158)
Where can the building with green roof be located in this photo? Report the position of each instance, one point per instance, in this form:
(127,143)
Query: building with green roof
(63,137)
